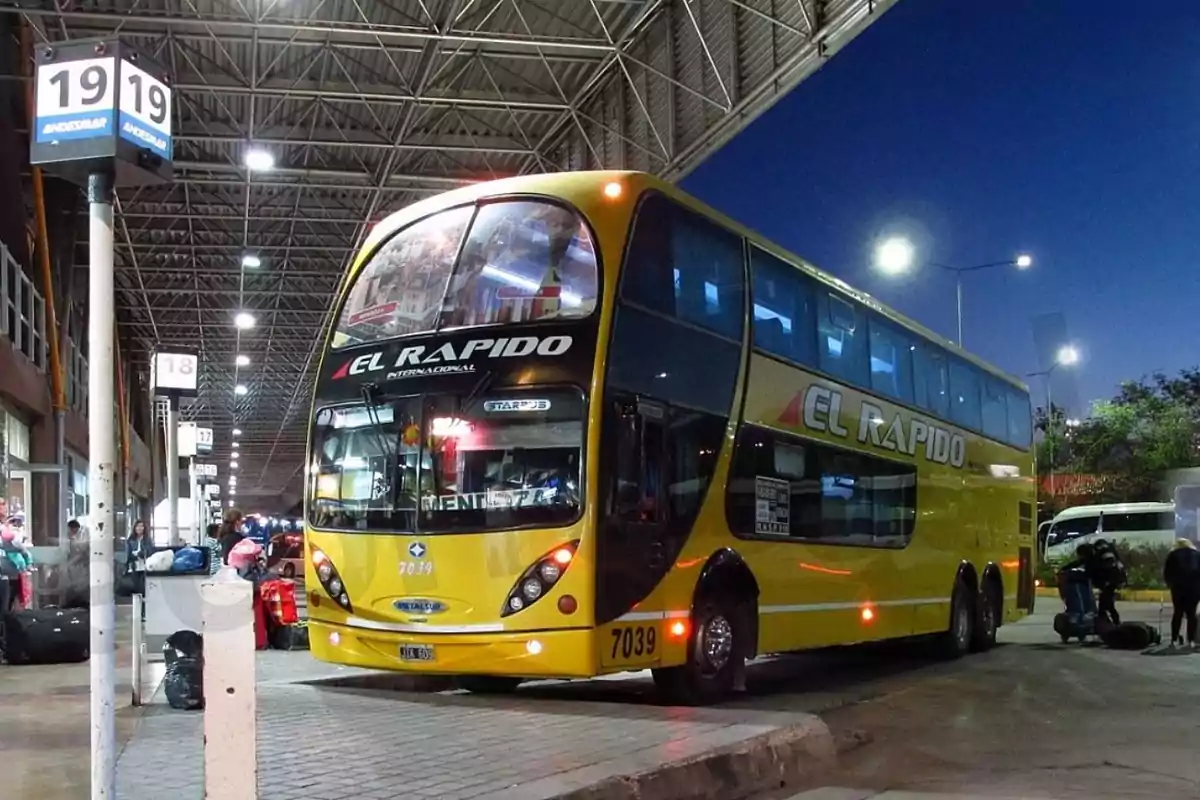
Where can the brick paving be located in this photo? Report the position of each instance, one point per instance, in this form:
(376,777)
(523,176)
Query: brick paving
(320,743)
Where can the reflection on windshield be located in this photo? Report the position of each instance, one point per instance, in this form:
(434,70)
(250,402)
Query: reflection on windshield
(505,460)
(522,261)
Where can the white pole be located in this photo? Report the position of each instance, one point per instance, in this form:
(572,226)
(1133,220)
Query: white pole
(173,473)
(139,649)
(102,459)
(193,489)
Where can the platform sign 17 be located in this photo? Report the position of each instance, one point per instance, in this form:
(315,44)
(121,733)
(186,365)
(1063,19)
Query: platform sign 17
(145,110)
(75,100)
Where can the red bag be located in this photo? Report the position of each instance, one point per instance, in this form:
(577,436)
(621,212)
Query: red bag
(260,623)
(279,598)
(26,590)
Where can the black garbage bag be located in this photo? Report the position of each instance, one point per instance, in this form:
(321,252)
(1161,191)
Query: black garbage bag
(184,684)
(183,645)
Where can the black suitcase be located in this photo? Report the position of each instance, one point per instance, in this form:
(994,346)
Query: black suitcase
(290,637)
(1131,636)
(48,636)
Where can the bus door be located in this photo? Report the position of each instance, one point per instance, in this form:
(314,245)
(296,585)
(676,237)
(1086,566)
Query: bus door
(633,547)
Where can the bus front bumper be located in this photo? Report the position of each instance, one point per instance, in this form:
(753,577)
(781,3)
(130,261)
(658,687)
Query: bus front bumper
(531,654)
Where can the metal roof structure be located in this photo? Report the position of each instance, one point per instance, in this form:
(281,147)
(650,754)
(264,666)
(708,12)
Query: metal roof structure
(367,105)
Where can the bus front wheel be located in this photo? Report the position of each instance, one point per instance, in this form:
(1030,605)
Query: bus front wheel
(716,654)
(488,684)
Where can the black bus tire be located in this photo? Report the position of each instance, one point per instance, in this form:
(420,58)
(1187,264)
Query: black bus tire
(718,641)
(987,618)
(956,641)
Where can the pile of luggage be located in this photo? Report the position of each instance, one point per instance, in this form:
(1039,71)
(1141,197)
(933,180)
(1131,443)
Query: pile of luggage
(1080,620)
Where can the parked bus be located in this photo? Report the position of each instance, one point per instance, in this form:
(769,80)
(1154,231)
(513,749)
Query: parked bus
(575,424)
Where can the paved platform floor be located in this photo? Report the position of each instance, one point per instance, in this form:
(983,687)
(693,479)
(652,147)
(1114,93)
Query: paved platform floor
(1032,719)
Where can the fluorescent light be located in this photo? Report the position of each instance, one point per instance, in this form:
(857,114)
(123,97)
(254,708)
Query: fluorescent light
(236,445)
(243,361)
(232,492)
(237,431)
(233,465)
(240,389)
(244,320)
(251,261)
(260,160)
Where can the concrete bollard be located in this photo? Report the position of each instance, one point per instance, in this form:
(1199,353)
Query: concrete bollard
(230,695)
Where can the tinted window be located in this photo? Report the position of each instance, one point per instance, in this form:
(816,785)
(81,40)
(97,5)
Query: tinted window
(965,394)
(782,486)
(522,261)
(891,361)
(931,380)
(1139,521)
(995,409)
(684,266)
(841,338)
(1020,424)
(784,316)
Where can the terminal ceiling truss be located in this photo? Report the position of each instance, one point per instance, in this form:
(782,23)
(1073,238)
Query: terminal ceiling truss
(368,105)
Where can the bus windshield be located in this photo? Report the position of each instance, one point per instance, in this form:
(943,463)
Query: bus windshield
(508,261)
(442,463)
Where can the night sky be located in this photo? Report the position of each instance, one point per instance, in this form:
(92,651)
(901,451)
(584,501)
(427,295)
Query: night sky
(1069,129)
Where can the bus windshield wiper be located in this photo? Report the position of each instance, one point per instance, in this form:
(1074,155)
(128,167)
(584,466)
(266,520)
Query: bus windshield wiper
(370,395)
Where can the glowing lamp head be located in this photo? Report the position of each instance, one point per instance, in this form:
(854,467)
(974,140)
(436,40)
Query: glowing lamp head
(613,190)
(868,614)
(678,629)
(563,556)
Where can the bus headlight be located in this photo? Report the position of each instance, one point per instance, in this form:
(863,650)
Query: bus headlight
(536,581)
(330,580)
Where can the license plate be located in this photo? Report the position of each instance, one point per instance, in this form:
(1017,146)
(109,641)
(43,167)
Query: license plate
(416,652)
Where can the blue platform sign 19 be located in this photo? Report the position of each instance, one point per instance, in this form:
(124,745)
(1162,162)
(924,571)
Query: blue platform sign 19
(145,110)
(75,100)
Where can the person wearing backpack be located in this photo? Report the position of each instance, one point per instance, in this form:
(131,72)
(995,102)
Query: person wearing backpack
(1181,573)
(1110,575)
(1106,573)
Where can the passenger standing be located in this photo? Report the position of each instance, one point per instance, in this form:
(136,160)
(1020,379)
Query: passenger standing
(1181,573)
(231,532)
(138,548)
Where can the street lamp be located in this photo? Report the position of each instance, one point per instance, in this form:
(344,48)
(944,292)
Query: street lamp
(1067,356)
(894,256)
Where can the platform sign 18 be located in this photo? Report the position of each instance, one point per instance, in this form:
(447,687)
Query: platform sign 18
(75,100)
(145,110)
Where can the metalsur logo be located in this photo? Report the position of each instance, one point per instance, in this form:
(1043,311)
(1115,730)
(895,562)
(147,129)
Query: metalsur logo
(419,605)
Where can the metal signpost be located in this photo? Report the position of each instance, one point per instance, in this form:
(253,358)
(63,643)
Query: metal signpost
(174,373)
(102,119)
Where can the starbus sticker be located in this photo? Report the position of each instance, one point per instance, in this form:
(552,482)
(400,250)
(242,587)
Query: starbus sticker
(819,408)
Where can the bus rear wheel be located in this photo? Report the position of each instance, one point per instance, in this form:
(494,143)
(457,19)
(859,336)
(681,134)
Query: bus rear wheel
(987,619)
(488,684)
(956,641)
(716,654)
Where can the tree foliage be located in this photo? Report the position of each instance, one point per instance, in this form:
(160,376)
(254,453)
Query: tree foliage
(1149,428)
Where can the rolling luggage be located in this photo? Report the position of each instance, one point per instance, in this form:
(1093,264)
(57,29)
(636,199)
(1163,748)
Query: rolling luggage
(48,636)
(1079,619)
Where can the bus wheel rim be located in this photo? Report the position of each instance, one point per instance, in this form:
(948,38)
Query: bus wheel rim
(717,642)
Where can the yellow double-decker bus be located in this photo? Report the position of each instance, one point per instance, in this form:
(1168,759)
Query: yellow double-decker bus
(576,424)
